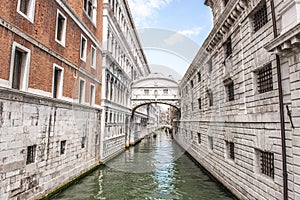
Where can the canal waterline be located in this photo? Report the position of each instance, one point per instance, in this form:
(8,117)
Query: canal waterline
(156,168)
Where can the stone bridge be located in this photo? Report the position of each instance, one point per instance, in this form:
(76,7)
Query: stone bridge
(154,88)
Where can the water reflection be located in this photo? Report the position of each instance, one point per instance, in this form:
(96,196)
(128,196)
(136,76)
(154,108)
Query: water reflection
(154,169)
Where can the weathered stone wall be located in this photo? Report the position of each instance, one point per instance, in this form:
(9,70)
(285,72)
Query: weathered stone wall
(252,120)
(27,120)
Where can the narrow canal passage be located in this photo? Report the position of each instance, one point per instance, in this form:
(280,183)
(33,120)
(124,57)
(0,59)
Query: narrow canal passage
(154,169)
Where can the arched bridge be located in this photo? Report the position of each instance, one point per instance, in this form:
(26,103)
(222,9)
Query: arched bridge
(155,88)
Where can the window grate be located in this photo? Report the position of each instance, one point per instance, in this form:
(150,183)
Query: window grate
(31,154)
(260,17)
(63,147)
(199,76)
(267,163)
(264,79)
(230,146)
(210,97)
(226,2)
(199,138)
(230,91)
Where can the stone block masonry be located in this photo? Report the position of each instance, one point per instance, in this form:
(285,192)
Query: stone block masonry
(44,143)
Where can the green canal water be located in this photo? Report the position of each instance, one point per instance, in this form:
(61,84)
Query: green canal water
(155,169)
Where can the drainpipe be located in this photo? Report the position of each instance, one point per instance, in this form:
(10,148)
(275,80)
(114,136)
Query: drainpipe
(281,110)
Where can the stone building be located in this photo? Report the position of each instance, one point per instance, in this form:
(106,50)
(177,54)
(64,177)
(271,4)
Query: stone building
(123,62)
(50,93)
(240,99)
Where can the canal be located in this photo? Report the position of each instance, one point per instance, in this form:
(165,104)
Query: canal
(156,168)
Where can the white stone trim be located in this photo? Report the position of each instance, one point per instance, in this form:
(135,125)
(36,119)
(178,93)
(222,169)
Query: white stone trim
(93,59)
(82,101)
(4,83)
(63,40)
(39,92)
(92,101)
(31,10)
(25,72)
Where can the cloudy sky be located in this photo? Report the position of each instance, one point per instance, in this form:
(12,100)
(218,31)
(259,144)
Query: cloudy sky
(171,31)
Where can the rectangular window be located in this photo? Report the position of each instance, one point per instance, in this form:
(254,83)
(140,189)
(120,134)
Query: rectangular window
(83,142)
(83,46)
(20,63)
(192,83)
(31,154)
(228,47)
(81,95)
(266,163)
(264,79)
(106,116)
(260,17)
(96,139)
(90,8)
(230,150)
(93,57)
(165,91)
(199,76)
(63,147)
(26,9)
(225,2)
(146,92)
(92,95)
(199,138)
(199,103)
(230,91)
(210,97)
(210,143)
(61,24)
(57,82)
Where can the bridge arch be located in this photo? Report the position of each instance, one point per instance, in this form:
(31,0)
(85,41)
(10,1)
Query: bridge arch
(155,88)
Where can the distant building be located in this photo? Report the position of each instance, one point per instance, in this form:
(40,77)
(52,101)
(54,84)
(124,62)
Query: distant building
(232,103)
(50,93)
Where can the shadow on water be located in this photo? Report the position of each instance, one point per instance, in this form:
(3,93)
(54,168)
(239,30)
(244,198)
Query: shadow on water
(157,168)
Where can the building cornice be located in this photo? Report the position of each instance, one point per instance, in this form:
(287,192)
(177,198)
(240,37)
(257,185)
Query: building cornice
(286,41)
(231,14)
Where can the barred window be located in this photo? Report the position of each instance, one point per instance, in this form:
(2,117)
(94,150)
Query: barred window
(228,47)
(63,147)
(267,163)
(83,142)
(230,91)
(210,97)
(31,154)
(230,150)
(264,79)
(199,138)
(260,17)
(210,143)
(199,76)
(225,2)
